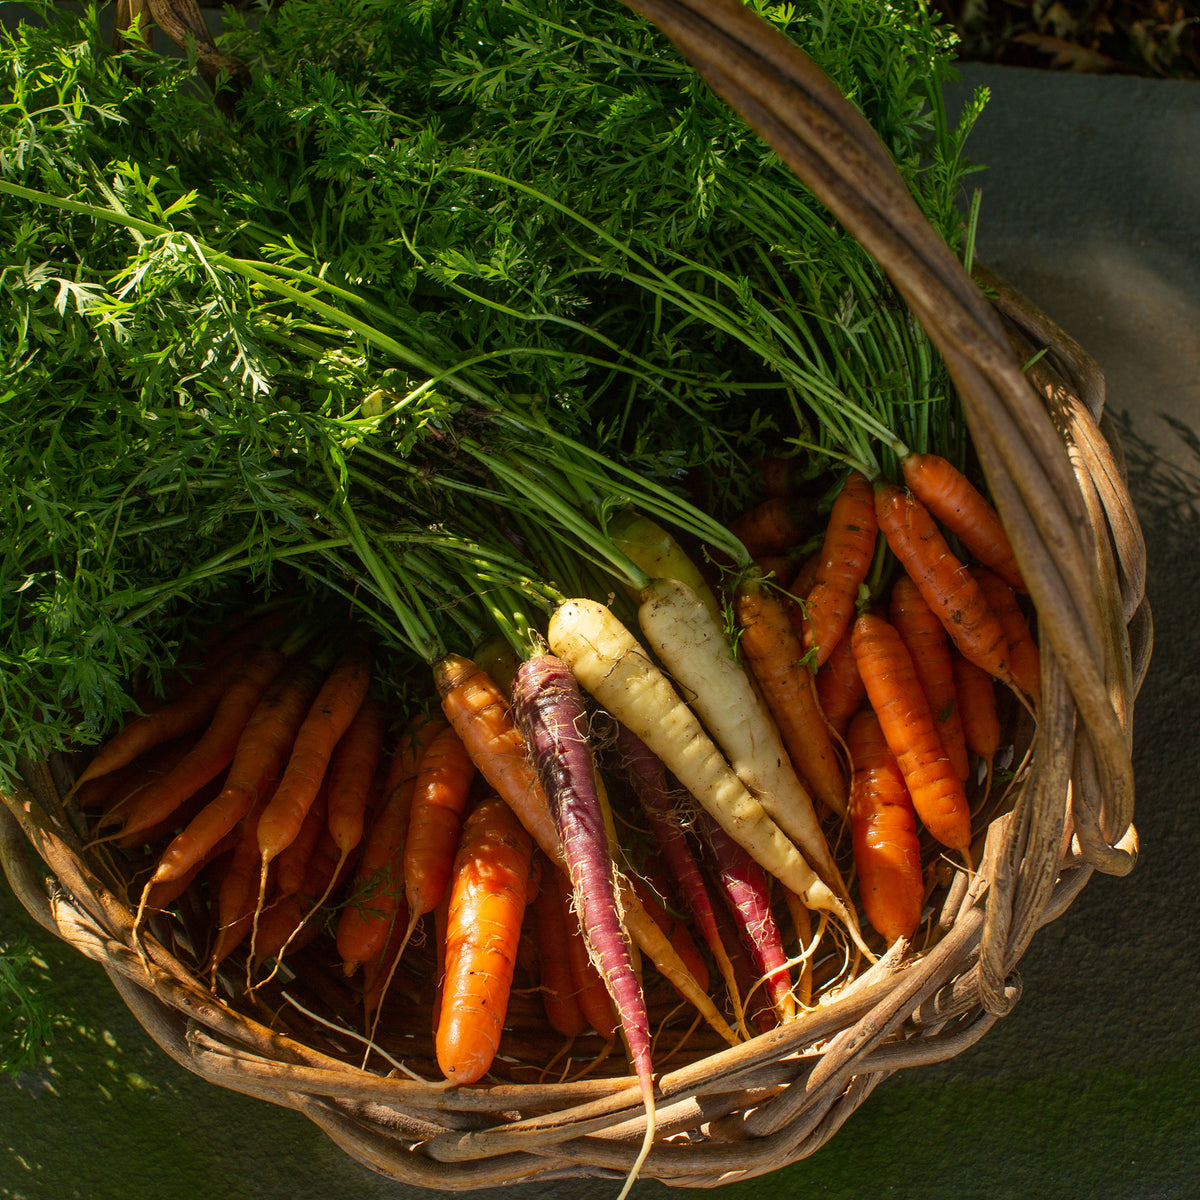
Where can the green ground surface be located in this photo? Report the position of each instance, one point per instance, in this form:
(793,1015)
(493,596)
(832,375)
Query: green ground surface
(1089,1087)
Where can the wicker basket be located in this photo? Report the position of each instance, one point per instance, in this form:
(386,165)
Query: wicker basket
(733,1113)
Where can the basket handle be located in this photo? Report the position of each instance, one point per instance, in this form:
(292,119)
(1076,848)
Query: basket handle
(831,148)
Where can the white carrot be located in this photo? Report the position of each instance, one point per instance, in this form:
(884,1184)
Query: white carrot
(610,664)
(681,631)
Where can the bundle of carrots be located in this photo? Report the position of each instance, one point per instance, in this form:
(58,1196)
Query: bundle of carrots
(494,837)
(897,653)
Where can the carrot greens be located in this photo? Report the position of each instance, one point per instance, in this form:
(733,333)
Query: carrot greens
(433,264)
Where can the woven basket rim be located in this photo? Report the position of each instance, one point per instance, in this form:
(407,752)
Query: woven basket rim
(1056,474)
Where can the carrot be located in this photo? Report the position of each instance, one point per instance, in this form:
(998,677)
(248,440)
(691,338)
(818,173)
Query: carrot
(773,526)
(378,971)
(977,701)
(647,778)
(699,657)
(781,475)
(675,928)
(964,511)
(377,893)
(743,884)
(235,905)
(353,769)
(336,704)
(801,585)
(805,576)
(845,559)
(481,716)
(160,896)
(883,824)
(656,552)
(840,689)
(608,661)
(550,712)
(376,903)
(188,711)
(1023,657)
(288,923)
(552,921)
(439,799)
(284,926)
(759,1011)
(126,784)
(474,704)
(911,732)
(771,649)
(292,862)
(181,817)
(487,906)
(215,749)
(925,637)
(114,786)
(262,748)
(590,993)
(947,586)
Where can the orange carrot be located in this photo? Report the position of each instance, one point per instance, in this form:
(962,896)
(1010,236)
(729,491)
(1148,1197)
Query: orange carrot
(908,725)
(845,559)
(774,526)
(779,474)
(487,907)
(555,979)
(329,716)
(190,710)
(292,862)
(887,854)
(160,896)
(801,585)
(236,892)
(125,784)
(352,770)
(262,749)
(779,567)
(480,714)
(775,657)
(112,787)
(288,923)
(215,749)
(1023,657)
(805,576)
(964,511)
(590,993)
(840,689)
(439,799)
(181,817)
(977,700)
(925,637)
(377,894)
(947,586)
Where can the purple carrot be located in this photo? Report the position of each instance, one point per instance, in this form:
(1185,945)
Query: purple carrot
(759,1011)
(648,779)
(744,885)
(549,709)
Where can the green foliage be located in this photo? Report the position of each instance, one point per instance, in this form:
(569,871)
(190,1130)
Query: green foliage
(25,1022)
(438,241)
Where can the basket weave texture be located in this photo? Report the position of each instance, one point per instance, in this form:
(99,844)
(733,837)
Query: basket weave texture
(725,1114)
